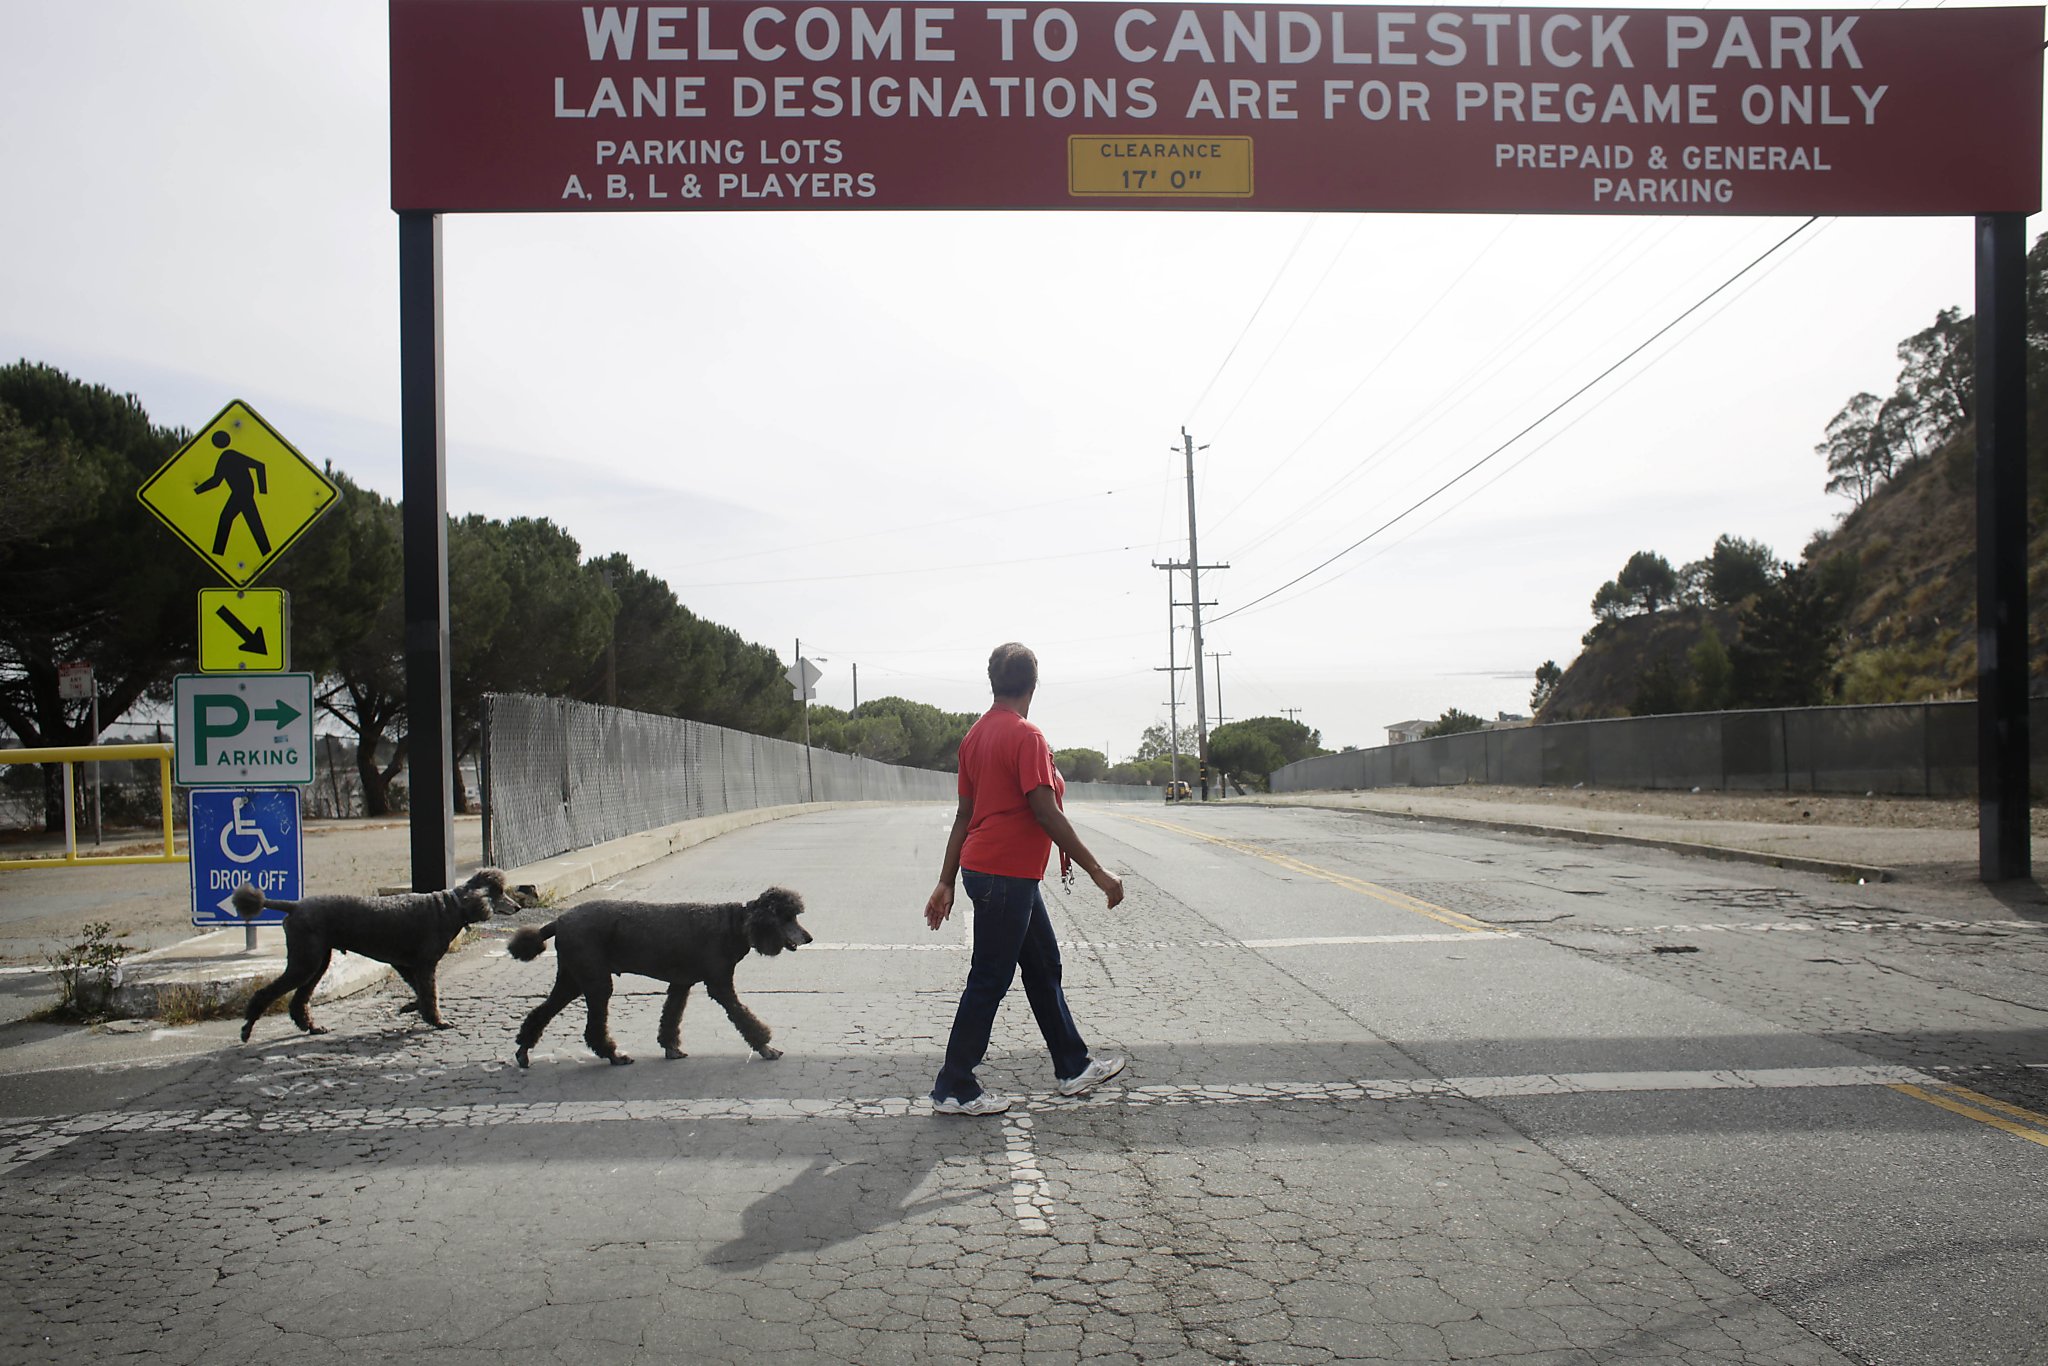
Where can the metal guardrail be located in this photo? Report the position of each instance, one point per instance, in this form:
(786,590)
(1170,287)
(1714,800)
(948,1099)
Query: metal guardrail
(70,756)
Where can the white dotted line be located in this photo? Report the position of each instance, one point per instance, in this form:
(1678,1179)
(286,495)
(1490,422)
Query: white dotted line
(1030,1194)
(24,1141)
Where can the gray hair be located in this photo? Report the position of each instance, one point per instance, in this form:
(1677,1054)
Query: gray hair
(1012,670)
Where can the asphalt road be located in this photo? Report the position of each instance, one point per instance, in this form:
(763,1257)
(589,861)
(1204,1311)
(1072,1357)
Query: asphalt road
(1397,1094)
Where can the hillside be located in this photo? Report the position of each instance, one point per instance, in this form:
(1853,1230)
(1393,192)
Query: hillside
(1911,628)
(1906,558)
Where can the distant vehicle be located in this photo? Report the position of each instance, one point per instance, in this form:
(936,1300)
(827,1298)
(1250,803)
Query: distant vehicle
(1178,792)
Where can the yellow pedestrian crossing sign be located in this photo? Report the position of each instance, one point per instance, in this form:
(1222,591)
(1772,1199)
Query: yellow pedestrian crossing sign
(238,494)
(241,630)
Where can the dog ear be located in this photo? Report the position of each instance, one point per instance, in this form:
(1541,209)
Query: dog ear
(491,880)
(780,902)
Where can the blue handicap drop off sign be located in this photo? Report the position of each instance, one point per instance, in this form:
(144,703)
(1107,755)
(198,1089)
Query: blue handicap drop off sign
(244,835)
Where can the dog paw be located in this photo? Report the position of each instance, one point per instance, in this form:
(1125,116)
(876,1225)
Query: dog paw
(520,1057)
(620,1060)
(673,1053)
(769,1054)
(409,1007)
(440,1024)
(245,1030)
(314,1029)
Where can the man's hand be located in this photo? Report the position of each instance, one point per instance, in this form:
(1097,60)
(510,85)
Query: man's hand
(1111,885)
(939,904)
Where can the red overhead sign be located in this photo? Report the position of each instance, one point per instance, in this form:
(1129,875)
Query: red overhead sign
(550,105)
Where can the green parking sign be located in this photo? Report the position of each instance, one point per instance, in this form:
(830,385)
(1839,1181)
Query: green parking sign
(243,730)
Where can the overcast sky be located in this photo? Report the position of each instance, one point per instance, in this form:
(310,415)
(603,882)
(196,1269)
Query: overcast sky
(905,437)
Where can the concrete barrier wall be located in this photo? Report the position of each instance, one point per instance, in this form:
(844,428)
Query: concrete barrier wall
(559,775)
(1915,749)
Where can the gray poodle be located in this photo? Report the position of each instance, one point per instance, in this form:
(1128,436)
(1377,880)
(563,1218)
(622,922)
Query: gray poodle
(681,943)
(411,932)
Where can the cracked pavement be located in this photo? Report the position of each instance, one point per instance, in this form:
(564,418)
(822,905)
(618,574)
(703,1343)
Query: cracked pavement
(1396,1095)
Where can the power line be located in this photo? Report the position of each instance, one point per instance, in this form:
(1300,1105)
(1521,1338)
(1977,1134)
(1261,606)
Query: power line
(1352,392)
(1293,322)
(952,520)
(1275,284)
(1575,419)
(1637,350)
(1579,289)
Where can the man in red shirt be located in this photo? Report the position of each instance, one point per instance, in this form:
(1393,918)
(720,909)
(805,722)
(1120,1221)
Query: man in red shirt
(1008,821)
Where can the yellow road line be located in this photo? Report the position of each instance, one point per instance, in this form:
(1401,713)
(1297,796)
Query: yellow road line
(1981,1108)
(1443,915)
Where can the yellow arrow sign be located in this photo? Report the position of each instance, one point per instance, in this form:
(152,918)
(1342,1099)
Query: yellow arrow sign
(239,494)
(241,630)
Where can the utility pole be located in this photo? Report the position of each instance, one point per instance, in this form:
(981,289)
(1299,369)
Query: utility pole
(1173,667)
(1219,654)
(1292,712)
(856,691)
(1195,601)
(1173,691)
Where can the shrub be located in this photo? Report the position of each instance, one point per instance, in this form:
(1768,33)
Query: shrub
(88,971)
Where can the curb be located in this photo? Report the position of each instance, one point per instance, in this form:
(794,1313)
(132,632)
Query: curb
(1832,868)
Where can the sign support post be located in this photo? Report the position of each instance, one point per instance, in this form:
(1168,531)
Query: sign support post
(2003,838)
(428,697)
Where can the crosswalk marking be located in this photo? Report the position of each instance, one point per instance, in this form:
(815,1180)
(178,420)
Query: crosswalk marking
(24,1141)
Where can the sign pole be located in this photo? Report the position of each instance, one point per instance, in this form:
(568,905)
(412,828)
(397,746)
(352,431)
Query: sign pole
(96,829)
(428,700)
(2003,837)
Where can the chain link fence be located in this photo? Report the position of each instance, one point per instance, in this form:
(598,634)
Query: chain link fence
(560,775)
(1916,749)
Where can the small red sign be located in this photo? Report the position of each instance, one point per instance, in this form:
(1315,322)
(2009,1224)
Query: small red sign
(545,105)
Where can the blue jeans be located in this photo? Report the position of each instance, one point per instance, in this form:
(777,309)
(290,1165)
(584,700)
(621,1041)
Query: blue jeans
(1011,932)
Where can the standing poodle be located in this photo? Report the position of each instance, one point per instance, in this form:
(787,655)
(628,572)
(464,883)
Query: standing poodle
(411,932)
(681,943)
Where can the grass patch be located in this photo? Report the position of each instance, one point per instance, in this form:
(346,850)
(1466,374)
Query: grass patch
(185,1003)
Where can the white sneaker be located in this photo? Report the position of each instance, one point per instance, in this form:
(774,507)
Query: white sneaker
(1097,1071)
(987,1103)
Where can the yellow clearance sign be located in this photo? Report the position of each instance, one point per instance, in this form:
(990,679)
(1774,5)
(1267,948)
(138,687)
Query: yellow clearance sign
(242,630)
(239,494)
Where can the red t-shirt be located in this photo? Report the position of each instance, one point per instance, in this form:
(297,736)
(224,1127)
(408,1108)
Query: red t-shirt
(1002,761)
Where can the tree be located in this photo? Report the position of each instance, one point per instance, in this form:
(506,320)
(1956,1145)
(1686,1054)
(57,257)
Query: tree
(86,572)
(1609,602)
(1082,765)
(1937,368)
(1713,675)
(1854,455)
(931,737)
(1648,581)
(1548,676)
(1292,739)
(1246,751)
(1253,748)
(1452,722)
(1784,656)
(1660,691)
(1158,741)
(1738,570)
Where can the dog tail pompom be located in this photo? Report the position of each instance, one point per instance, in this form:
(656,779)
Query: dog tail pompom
(529,943)
(248,901)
